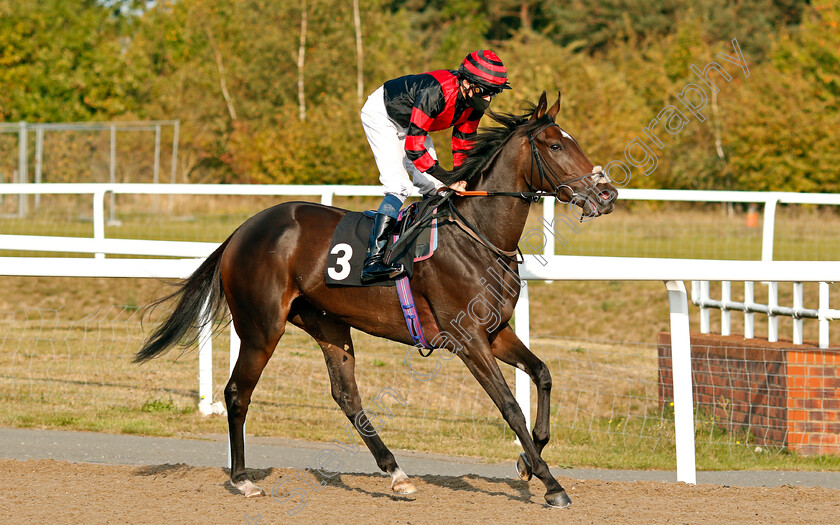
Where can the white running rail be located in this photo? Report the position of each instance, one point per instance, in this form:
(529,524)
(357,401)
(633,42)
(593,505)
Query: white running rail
(673,272)
(700,296)
(326,192)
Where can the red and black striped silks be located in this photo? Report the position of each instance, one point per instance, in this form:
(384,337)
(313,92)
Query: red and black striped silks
(429,102)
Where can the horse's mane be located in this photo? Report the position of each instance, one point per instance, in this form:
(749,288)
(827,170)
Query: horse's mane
(488,142)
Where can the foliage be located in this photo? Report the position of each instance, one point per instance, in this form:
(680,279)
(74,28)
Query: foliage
(229,72)
(75,73)
(596,26)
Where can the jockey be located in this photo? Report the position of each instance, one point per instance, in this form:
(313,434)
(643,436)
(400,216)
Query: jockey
(397,119)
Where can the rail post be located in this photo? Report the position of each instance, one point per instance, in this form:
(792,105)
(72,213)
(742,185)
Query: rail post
(798,305)
(772,307)
(176,131)
(522,316)
(681,365)
(112,173)
(327,198)
(749,316)
(767,239)
(205,359)
(548,217)
(156,169)
(705,312)
(769,229)
(39,161)
(23,166)
(725,314)
(823,315)
(99,218)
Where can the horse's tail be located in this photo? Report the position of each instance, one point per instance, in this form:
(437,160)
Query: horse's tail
(184,323)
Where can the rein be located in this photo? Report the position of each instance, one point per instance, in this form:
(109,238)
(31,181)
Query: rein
(473,232)
(450,214)
(532,196)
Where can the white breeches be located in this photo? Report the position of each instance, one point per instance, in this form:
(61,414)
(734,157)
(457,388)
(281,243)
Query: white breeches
(387,140)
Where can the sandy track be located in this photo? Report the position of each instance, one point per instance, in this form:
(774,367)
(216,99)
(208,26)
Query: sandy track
(48,491)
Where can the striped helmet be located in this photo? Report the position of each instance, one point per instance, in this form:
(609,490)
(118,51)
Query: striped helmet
(485,68)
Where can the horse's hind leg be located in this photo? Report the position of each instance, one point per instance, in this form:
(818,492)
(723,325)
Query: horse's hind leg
(255,351)
(334,338)
(509,349)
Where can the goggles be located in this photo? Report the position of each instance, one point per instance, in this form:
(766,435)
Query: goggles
(484,91)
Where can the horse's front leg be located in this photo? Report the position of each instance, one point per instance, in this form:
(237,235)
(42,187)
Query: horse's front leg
(509,349)
(482,364)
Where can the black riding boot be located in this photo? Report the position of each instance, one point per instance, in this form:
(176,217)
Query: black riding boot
(374,269)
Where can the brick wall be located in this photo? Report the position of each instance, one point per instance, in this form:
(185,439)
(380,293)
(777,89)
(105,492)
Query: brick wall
(785,395)
(814,400)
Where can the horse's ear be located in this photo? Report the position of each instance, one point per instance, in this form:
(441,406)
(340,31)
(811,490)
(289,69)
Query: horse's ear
(540,111)
(553,110)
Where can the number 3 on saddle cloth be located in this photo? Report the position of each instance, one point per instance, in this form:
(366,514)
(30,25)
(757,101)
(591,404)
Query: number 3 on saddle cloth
(416,241)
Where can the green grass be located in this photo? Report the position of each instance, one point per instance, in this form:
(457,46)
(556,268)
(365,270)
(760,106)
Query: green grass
(65,363)
(605,407)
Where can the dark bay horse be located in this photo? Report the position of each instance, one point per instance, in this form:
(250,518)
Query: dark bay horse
(270,271)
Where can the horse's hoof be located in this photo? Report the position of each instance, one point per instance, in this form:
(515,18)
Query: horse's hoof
(403,487)
(559,500)
(523,467)
(401,484)
(248,488)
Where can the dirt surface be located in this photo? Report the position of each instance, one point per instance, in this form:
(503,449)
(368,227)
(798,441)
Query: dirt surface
(48,491)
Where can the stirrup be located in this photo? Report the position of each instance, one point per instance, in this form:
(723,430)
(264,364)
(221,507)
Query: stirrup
(381,272)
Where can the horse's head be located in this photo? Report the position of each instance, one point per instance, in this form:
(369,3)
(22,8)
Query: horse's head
(558,164)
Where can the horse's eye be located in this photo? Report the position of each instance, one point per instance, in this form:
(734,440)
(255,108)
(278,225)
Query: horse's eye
(556,146)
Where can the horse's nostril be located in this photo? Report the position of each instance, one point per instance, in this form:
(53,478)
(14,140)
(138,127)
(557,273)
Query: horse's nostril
(605,195)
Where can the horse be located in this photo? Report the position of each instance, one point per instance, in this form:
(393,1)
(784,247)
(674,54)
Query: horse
(270,272)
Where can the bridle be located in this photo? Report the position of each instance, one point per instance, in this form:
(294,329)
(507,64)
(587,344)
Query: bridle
(556,184)
(547,174)
(533,195)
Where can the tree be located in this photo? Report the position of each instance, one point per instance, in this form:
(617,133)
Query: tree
(788,110)
(76,73)
(230,71)
(598,26)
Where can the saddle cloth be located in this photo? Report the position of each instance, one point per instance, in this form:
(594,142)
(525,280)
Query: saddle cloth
(350,241)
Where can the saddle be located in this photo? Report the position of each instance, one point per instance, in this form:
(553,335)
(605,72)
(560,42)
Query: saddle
(415,240)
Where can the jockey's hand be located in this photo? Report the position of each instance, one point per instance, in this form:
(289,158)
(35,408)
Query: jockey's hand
(458,186)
